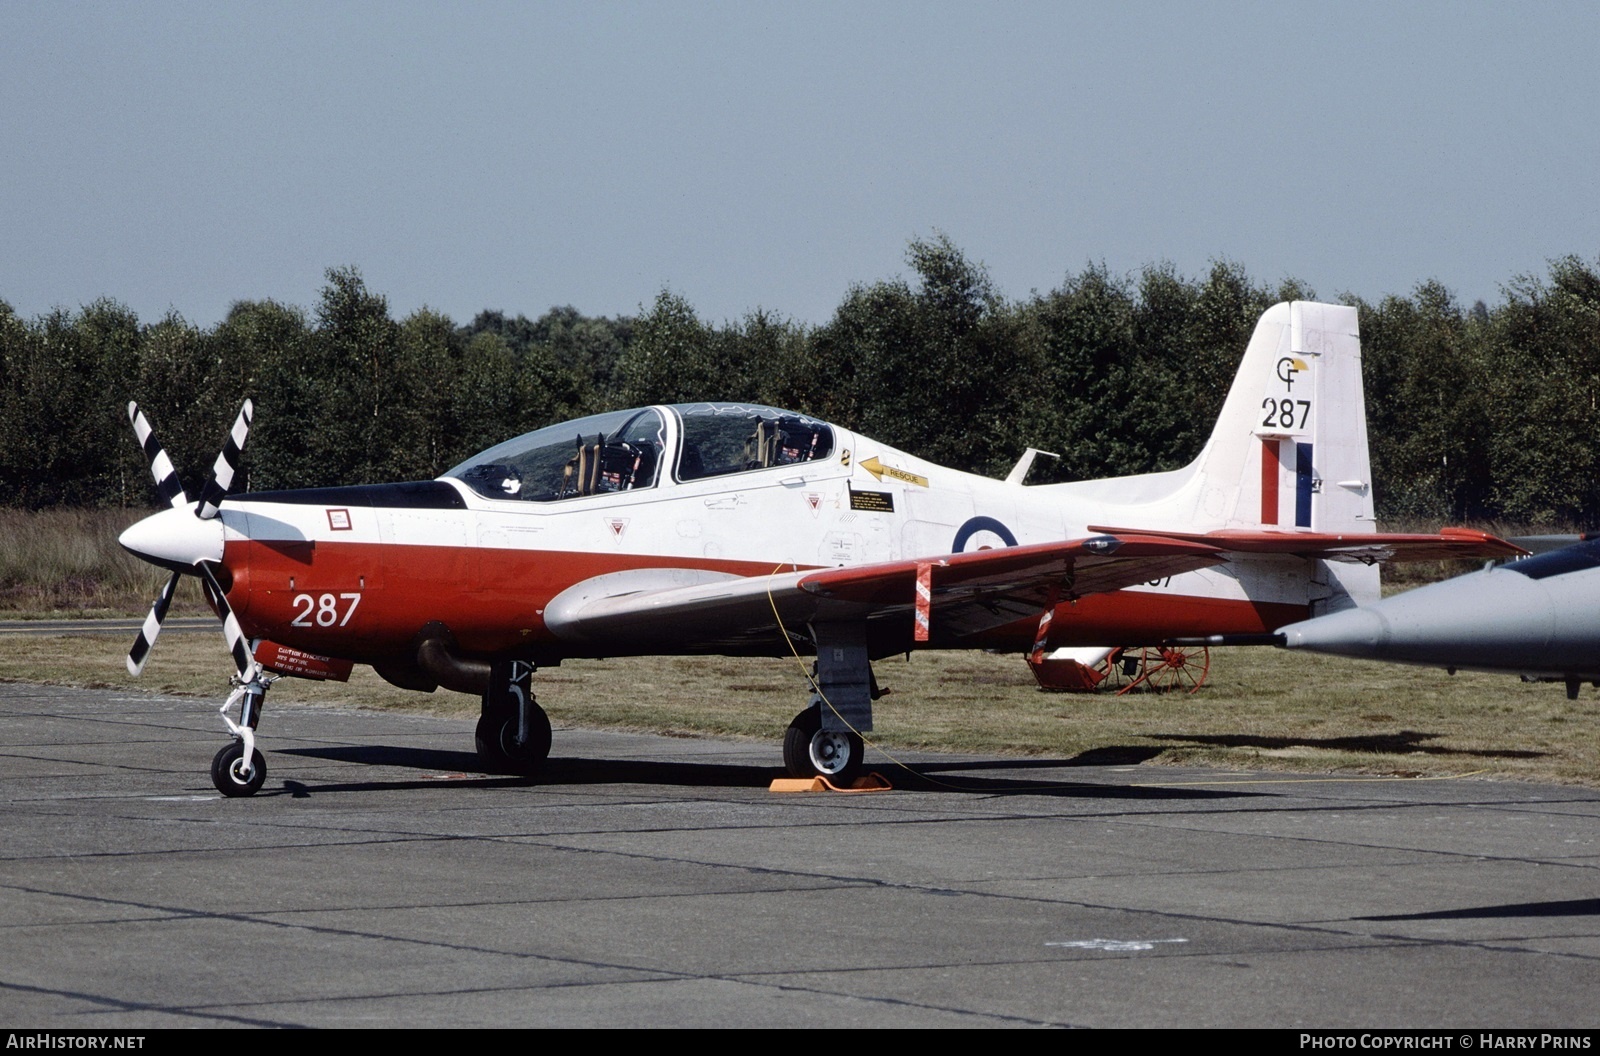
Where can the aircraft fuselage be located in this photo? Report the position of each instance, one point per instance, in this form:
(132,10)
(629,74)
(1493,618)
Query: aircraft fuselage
(357,572)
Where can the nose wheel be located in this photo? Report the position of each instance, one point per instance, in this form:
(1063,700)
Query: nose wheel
(233,776)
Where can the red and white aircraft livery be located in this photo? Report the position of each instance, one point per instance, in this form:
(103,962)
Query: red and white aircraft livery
(733,529)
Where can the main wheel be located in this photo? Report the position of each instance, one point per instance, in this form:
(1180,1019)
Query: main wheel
(811,751)
(228,771)
(496,739)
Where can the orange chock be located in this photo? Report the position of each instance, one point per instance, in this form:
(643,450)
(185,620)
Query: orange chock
(873,782)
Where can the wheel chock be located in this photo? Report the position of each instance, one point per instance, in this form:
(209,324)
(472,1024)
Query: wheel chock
(797,784)
(873,782)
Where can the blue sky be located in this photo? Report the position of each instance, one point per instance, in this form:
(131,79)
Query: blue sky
(517,156)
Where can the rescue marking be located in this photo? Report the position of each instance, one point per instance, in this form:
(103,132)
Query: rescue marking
(339,520)
(879,470)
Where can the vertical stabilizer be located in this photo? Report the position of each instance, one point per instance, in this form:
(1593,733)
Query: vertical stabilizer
(1288,453)
(1289,450)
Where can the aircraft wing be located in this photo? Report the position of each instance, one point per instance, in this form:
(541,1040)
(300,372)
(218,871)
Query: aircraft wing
(968,593)
(1449,544)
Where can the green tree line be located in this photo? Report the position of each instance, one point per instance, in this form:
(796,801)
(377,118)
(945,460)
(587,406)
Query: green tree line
(1475,413)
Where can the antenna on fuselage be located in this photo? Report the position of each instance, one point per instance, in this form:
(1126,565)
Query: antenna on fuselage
(1019,472)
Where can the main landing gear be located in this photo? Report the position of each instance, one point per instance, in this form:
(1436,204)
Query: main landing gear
(513,735)
(825,739)
(238,769)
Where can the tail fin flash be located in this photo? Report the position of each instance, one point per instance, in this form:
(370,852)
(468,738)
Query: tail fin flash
(1289,451)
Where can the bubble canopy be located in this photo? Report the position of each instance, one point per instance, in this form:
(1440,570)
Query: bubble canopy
(640,448)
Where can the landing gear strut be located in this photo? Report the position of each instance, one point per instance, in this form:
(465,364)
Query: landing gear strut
(513,735)
(238,769)
(825,739)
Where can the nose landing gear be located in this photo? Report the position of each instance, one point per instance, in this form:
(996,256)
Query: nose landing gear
(239,769)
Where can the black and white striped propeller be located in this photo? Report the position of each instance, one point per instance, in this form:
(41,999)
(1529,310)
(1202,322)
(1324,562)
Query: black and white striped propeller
(172,539)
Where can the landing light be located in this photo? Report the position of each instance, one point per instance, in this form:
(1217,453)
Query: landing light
(1102,544)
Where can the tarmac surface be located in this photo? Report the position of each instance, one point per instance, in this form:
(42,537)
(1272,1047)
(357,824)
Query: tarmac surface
(380,879)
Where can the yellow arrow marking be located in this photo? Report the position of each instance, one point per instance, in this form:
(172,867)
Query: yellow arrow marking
(879,470)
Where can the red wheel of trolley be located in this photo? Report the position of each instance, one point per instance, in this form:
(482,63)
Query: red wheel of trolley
(1170,669)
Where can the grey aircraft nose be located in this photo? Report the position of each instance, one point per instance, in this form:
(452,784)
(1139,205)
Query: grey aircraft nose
(1354,632)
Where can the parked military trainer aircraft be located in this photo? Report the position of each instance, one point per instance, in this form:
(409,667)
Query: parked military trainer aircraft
(1533,617)
(725,528)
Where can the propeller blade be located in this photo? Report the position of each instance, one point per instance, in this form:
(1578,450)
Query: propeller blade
(167,482)
(152,627)
(216,488)
(243,662)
